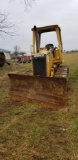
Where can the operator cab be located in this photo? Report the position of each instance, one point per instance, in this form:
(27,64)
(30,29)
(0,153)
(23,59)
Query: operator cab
(51,49)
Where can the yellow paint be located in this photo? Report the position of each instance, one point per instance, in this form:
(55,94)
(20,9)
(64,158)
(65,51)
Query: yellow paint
(51,61)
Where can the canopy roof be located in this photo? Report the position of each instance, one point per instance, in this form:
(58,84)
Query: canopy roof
(46,28)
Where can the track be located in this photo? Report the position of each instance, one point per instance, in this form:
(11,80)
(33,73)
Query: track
(62,72)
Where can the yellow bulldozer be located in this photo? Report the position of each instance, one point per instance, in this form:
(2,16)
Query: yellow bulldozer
(46,84)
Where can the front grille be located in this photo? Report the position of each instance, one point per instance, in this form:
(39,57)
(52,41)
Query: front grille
(39,65)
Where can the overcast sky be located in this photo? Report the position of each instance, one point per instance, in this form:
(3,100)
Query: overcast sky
(44,12)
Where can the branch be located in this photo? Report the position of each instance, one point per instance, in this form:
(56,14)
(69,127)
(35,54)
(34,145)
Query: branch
(27,3)
(6,27)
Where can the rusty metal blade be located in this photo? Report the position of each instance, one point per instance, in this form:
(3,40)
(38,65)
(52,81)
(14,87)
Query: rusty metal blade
(47,91)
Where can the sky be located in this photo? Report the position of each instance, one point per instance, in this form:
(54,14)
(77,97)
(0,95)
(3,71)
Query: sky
(43,13)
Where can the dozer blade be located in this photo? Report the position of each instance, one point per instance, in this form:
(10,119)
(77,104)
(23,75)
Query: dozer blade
(47,91)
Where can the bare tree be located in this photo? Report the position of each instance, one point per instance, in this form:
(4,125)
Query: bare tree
(27,3)
(16,50)
(6,27)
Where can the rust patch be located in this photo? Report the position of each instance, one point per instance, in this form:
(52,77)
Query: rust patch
(47,91)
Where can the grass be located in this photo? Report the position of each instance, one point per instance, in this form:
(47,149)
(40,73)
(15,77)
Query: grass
(32,132)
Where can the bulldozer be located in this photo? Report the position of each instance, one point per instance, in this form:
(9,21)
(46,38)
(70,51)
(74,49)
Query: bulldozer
(46,84)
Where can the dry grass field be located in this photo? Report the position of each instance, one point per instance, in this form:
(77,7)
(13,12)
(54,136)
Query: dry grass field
(32,132)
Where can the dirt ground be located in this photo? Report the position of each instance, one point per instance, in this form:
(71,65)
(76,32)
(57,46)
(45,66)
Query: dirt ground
(32,132)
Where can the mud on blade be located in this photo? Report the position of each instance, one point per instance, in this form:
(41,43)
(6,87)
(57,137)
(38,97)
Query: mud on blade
(47,91)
